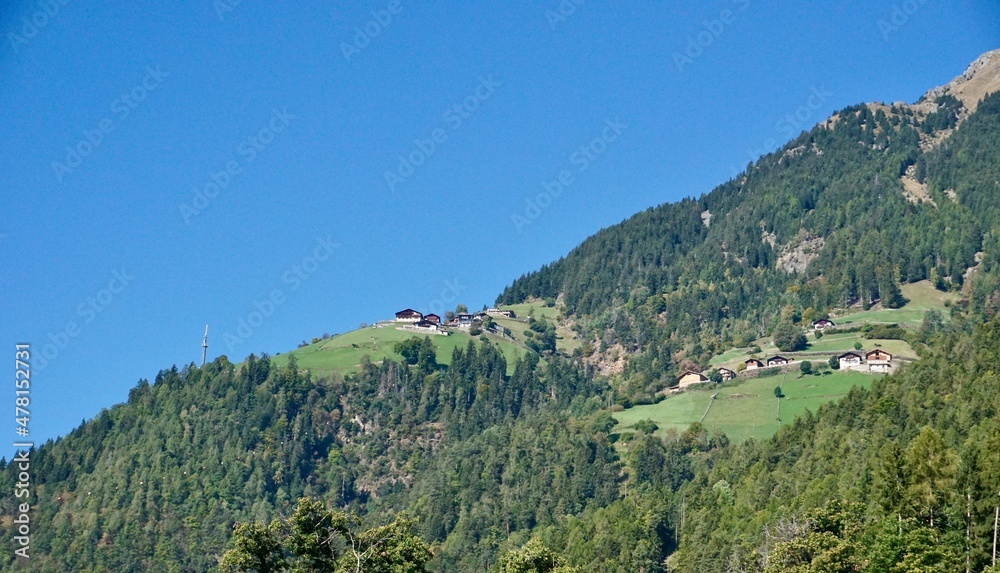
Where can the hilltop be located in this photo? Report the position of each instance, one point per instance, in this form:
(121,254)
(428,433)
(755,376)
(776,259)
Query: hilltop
(345,353)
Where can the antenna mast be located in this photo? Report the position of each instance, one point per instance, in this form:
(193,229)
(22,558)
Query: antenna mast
(204,346)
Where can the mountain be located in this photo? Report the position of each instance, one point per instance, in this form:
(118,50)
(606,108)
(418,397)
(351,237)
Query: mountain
(874,197)
(513,457)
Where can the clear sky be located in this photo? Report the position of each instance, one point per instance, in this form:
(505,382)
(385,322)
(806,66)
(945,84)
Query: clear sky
(168,165)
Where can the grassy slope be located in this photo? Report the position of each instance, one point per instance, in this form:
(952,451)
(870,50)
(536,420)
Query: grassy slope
(343,353)
(566,340)
(748,409)
(922,297)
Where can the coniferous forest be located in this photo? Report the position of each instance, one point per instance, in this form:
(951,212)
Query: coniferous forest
(482,465)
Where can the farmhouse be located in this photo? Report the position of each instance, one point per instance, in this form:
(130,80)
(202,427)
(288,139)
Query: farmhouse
(408,315)
(498,312)
(848,359)
(878,360)
(688,378)
(425,325)
(753,364)
(464,319)
(823,324)
(726,374)
(432,318)
(777,361)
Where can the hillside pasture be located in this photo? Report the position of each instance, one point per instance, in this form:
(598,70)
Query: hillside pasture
(922,296)
(748,409)
(343,353)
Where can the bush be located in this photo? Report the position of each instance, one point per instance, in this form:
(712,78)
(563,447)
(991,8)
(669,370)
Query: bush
(857,346)
(806,367)
(887,331)
(778,393)
(789,338)
(646,426)
(834,363)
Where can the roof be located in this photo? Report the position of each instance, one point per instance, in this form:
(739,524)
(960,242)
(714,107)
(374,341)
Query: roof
(846,354)
(877,351)
(749,360)
(687,372)
(823,321)
(724,369)
(407,312)
(777,357)
(427,316)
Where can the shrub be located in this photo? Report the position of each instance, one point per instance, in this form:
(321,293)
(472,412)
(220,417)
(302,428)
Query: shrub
(646,426)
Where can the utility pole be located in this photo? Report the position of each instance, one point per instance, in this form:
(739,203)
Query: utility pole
(996,518)
(204,346)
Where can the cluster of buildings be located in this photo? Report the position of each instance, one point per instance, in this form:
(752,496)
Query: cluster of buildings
(413,319)
(877,360)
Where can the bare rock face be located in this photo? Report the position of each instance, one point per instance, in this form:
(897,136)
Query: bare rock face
(799,252)
(982,77)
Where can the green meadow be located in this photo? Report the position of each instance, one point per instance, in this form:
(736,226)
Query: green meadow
(343,353)
(748,409)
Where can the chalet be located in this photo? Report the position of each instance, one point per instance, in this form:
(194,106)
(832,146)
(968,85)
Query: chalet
(432,318)
(688,378)
(823,324)
(464,319)
(408,315)
(848,359)
(753,364)
(726,374)
(777,361)
(425,325)
(498,312)
(878,360)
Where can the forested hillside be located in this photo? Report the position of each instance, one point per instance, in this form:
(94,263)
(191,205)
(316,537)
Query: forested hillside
(904,477)
(821,224)
(157,483)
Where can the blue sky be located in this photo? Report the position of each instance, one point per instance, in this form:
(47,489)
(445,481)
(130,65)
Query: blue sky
(171,165)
